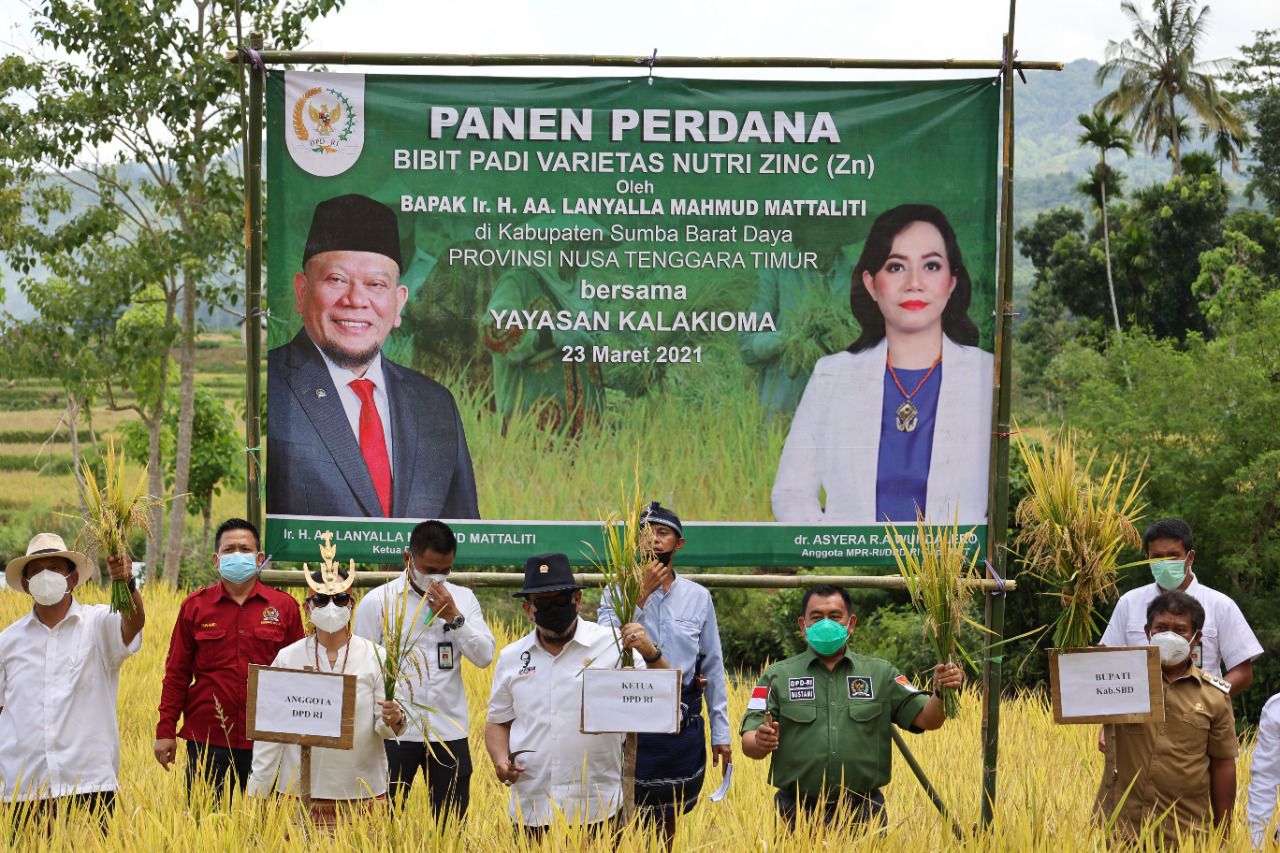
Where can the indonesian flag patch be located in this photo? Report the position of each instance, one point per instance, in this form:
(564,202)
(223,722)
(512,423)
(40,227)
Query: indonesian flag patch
(759,698)
(906,682)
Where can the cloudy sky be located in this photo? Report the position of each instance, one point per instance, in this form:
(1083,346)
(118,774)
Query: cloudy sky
(966,29)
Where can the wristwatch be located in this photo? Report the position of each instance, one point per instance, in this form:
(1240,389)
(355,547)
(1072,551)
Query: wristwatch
(456,623)
(657,655)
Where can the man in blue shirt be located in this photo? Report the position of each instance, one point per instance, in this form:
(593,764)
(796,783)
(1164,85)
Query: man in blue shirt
(679,616)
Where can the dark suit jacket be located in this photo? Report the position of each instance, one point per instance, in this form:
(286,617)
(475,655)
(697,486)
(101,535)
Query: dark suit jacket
(314,464)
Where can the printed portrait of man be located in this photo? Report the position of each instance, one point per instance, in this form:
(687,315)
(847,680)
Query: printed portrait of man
(349,432)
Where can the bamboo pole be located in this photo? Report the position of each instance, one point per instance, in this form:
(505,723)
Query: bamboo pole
(335,57)
(286,578)
(253,298)
(998,483)
(930,791)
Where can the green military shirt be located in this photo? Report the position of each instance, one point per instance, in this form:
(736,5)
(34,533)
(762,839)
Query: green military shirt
(833,725)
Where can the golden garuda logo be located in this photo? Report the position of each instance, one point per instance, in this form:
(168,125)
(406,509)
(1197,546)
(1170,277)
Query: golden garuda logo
(326,123)
(324,120)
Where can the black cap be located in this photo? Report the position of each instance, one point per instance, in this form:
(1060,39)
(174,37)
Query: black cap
(353,223)
(547,573)
(656,513)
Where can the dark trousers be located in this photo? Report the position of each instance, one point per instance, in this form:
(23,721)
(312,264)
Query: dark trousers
(602,831)
(859,808)
(447,766)
(42,812)
(215,764)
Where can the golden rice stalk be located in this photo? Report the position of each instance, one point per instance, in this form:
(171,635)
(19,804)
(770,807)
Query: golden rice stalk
(937,572)
(402,660)
(115,509)
(1073,528)
(628,550)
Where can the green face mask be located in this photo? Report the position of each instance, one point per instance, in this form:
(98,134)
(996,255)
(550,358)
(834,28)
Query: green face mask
(1169,574)
(826,637)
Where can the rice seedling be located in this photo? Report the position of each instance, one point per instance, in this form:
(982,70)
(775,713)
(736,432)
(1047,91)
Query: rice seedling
(402,627)
(821,324)
(628,550)
(936,571)
(1074,527)
(114,509)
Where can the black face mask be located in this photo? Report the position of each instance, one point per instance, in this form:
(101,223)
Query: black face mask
(556,615)
(664,557)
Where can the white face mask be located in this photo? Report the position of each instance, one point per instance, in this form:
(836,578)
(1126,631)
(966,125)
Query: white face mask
(331,618)
(47,587)
(1174,648)
(424,580)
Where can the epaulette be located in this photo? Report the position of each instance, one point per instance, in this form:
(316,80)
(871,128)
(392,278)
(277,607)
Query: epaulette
(1218,682)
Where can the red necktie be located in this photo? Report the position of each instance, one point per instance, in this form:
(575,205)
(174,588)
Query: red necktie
(373,443)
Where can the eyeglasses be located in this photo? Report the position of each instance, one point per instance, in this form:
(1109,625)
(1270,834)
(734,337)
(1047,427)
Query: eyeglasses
(319,599)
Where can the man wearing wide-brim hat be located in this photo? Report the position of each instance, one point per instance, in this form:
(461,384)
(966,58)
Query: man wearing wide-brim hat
(59,676)
(533,732)
(351,433)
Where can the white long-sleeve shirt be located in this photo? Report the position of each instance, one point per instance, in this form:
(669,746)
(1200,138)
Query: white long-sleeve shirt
(439,651)
(1264,772)
(58,687)
(336,774)
(569,773)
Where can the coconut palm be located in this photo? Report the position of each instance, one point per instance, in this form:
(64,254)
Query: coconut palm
(1105,133)
(1226,148)
(1157,67)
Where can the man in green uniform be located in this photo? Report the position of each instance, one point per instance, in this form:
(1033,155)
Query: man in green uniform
(1180,772)
(824,716)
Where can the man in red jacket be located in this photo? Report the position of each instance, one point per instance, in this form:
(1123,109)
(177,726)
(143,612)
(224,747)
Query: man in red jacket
(221,629)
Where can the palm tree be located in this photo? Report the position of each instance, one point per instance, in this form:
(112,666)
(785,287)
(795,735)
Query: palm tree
(1226,148)
(1157,67)
(1106,134)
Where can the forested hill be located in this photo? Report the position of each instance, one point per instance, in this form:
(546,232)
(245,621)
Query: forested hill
(1048,165)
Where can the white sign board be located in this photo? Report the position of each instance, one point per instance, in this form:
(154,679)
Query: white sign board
(631,700)
(295,706)
(1100,684)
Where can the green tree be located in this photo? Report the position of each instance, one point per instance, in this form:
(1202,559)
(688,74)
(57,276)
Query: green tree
(1256,79)
(1158,68)
(1199,413)
(218,451)
(1104,133)
(1232,281)
(139,111)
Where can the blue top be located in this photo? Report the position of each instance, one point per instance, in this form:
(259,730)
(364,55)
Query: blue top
(902,470)
(682,621)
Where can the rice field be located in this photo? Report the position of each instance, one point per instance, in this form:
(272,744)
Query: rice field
(1048,776)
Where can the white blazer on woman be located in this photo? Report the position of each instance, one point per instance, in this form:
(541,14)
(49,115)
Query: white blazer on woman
(834,443)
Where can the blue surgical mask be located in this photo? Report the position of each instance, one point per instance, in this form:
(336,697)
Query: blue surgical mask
(826,637)
(237,568)
(1169,574)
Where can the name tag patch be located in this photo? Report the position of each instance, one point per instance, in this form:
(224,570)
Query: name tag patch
(800,688)
(860,687)
(444,655)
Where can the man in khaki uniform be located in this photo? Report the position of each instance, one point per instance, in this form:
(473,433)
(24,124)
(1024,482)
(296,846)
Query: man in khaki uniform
(1185,766)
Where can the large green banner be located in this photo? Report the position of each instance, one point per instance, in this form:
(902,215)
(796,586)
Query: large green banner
(502,302)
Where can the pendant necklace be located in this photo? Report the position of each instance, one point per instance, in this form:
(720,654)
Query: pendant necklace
(908,414)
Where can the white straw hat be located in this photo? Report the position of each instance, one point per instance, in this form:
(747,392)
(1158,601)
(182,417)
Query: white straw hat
(46,545)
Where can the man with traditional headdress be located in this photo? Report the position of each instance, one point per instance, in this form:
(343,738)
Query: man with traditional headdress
(59,676)
(355,777)
(351,433)
(679,615)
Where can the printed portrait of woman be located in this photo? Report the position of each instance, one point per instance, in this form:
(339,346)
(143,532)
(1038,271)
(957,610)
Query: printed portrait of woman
(902,419)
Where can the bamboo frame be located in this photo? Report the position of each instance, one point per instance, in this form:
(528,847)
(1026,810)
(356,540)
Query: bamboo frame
(334,57)
(998,483)
(998,478)
(296,579)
